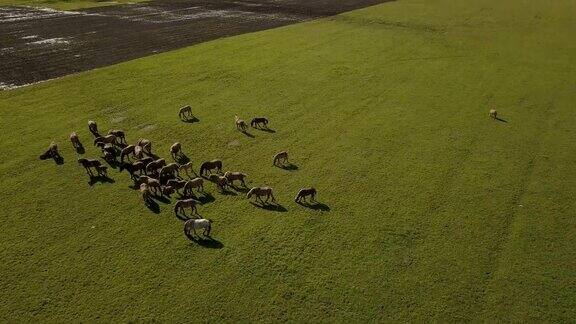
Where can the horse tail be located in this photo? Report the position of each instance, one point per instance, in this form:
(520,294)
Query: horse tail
(249,194)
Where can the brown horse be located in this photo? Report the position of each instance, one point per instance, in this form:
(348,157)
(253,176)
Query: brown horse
(102,170)
(259,122)
(120,135)
(51,152)
(240,124)
(233,176)
(151,182)
(176,184)
(493,114)
(152,167)
(146,145)
(259,192)
(88,164)
(185,203)
(185,113)
(281,158)
(221,182)
(305,192)
(197,183)
(209,166)
(108,139)
(75,140)
(170,170)
(132,168)
(176,150)
(146,193)
(93,128)
(126,152)
(187,167)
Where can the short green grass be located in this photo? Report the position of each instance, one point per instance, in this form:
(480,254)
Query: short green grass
(436,211)
(65,4)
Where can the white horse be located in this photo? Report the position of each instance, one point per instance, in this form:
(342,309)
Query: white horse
(193,224)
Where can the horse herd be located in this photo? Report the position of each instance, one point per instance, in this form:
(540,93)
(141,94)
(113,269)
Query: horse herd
(153,176)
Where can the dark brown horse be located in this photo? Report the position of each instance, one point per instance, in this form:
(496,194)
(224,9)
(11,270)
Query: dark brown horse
(305,192)
(259,122)
(88,164)
(208,166)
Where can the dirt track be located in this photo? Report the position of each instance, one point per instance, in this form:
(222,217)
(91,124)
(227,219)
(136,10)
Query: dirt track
(41,44)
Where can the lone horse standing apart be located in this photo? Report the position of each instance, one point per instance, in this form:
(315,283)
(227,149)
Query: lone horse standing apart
(281,158)
(305,192)
(193,224)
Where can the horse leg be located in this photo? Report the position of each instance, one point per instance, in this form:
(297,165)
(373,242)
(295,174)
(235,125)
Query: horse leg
(273,199)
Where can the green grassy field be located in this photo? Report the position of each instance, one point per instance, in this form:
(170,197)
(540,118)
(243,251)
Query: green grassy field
(436,211)
(65,4)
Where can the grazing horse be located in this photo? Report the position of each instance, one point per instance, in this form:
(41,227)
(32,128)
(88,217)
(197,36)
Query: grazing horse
(108,150)
(146,194)
(51,152)
(186,167)
(167,190)
(88,164)
(185,112)
(93,128)
(138,152)
(493,114)
(259,192)
(151,182)
(110,139)
(259,121)
(221,182)
(176,184)
(305,192)
(126,152)
(176,150)
(240,124)
(211,165)
(146,145)
(193,224)
(75,140)
(281,158)
(197,183)
(152,167)
(132,168)
(185,203)
(120,135)
(232,176)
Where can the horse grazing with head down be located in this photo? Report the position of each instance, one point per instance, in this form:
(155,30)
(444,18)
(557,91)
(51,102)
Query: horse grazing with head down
(185,113)
(185,203)
(259,192)
(233,176)
(208,166)
(259,122)
(305,192)
(280,158)
(75,140)
(193,224)
(240,124)
(93,128)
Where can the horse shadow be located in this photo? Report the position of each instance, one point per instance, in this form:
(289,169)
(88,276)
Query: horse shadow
(58,159)
(271,207)
(240,188)
(228,192)
(80,149)
(152,206)
(162,199)
(248,134)
(206,198)
(99,179)
(265,129)
(501,120)
(315,206)
(190,120)
(206,241)
(288,167)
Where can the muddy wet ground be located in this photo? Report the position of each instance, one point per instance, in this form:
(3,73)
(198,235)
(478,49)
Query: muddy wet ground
(41,44)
